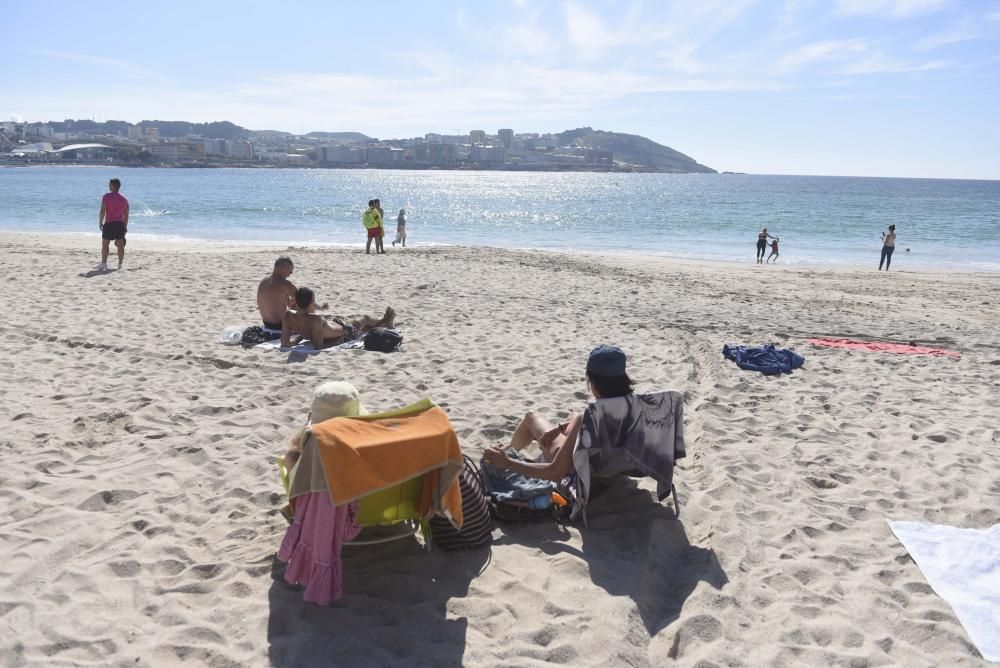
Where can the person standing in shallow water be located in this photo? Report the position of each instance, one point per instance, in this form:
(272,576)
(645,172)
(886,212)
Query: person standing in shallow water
(762,237)
(888,246)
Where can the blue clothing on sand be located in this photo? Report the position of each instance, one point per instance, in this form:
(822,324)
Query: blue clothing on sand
(505,485)
(766,359)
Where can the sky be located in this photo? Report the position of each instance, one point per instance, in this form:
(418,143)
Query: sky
(839,87)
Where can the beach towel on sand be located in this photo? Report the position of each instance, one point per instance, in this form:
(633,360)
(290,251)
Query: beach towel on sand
(963,567)
(766,359)
(883,347)
(306,347)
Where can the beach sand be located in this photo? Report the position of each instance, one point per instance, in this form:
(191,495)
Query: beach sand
(140,497)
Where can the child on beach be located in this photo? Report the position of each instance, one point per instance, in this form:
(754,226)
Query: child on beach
(774,251)
(401,228)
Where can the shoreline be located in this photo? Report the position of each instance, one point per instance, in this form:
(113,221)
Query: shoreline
(163,243)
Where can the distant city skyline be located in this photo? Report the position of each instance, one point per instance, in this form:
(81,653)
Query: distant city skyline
(846,87)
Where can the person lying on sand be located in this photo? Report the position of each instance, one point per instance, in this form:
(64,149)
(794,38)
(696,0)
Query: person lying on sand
(606,377)
(324,332)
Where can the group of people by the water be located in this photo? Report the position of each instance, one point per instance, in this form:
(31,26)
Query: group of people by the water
(373,221)
(113,223)
(888,246)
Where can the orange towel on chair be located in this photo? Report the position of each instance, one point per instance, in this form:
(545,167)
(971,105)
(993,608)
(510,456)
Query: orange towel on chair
(364,456)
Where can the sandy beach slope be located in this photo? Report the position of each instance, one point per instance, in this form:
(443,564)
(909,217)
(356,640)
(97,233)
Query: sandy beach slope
(140,501)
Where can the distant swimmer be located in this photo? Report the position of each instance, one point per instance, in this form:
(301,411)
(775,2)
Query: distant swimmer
(888,246)
(113,223)
(762,238)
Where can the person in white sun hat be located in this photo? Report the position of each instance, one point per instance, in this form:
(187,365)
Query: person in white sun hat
(330,400)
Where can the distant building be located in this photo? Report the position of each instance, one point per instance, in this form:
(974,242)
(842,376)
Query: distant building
(344,155)
(177,152)
(379,155)
(214,146)
(432,136)
(477,136)
(490,154)
(135,132)
(506,137)
(152,133)
(241,149)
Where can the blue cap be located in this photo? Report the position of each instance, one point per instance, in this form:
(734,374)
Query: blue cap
(606,361)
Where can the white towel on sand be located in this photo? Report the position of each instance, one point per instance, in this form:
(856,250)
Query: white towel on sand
(306,347)
(963,567)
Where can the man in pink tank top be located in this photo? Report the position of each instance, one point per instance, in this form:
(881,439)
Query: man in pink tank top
(113,222)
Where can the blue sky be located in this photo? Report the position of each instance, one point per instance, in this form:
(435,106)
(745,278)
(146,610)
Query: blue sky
(860,87)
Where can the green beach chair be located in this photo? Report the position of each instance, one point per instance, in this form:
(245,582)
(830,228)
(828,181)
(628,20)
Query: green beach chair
(389,514)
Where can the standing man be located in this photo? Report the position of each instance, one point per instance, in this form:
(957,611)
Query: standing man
(113,221)
(372,221)
(888,246)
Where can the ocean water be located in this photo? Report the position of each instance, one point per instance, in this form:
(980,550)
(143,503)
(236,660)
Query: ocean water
(820,220)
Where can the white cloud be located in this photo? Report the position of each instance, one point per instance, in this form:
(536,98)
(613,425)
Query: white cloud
(952,36)
(120,67)
(891,8)
(827,50)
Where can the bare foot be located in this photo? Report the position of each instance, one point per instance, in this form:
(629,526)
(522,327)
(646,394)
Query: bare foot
(389,318)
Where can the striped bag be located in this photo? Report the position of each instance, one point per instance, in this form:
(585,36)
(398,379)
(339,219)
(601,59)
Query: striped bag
(477,527)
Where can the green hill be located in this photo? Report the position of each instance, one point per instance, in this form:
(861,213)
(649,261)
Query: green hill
(634,150)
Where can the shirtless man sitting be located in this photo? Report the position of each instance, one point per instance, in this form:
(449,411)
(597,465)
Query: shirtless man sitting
(322,332)
(276,294)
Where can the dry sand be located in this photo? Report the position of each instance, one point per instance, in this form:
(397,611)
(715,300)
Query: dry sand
(140,499)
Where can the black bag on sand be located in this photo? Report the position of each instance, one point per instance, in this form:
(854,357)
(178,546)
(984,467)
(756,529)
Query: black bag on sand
(383,340)
(477,525)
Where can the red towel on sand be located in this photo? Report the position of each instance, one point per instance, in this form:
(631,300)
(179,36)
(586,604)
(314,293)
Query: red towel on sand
(875,346)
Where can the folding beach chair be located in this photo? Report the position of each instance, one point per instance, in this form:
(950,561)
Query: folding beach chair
(639,435)
(397,506)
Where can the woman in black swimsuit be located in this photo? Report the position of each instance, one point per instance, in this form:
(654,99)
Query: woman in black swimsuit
(762,244)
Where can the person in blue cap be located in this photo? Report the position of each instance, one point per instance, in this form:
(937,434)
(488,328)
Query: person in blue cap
(606,377)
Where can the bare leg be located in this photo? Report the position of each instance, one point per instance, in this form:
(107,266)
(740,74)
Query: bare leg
(105,247)
(120,243)
(366,322)
(530,429)
(368,246)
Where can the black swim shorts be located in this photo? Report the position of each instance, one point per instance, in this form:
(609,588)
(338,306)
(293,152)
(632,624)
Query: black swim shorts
(351,330)
(114,231)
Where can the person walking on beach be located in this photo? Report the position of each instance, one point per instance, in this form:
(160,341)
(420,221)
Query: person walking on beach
(372,221)
(774,251)
(113,223)
(762,237)
(400,228)
(888,246)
